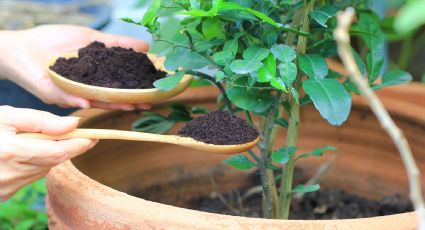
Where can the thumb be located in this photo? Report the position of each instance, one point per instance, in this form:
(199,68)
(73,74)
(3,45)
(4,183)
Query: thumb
(29,120)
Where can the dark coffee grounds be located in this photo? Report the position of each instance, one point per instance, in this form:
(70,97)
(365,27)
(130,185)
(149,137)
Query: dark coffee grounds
(220,128)
(114,67)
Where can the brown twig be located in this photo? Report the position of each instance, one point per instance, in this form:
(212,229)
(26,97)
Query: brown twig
(344,49)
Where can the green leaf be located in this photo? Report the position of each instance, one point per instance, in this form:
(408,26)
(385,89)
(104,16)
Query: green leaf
(306,188)
(153,123)
(318,152)
(288,72)
(374,39)
(268,71)
(182,57)
(313,65)
(360,63)
(179,112)
(168,83)
(323,14)
(255,53)
(232,46)
(219,76)
(223,58)
(151,13)
(283,53)
(129,20)
(213,28)
(410,17)
(396,77)
(282,122)
(278,84)
(282,155)
(330,98)
(255,101)
(245,66)
(240,162)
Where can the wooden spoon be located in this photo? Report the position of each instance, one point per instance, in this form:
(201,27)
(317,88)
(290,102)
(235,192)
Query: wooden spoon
(138,136)
(113,95)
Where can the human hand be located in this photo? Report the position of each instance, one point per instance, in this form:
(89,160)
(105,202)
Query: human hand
(26,54)
(25,160)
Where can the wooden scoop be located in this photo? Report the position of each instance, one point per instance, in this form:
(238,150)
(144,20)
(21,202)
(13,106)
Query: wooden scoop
(113,95)
(138,136)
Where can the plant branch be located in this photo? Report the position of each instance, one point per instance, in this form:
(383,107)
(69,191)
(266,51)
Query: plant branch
(344,20)
(218,84)
(268,206)
(293,123)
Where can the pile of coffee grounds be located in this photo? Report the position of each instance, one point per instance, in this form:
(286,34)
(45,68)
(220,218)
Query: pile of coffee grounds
(114,67)
(220,128)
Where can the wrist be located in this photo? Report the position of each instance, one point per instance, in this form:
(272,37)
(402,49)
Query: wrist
(8,40)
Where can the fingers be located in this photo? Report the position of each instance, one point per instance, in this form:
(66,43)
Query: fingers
(50,153)
(51,94)
(121,41)
(29,120)
(7,190)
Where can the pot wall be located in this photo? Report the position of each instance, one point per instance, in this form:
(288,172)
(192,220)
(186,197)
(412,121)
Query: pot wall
(368,164)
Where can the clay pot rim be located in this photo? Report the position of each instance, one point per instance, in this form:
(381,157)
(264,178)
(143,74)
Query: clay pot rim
(60,174)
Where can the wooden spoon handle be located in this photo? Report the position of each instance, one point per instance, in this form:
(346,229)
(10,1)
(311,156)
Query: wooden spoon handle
(102,134)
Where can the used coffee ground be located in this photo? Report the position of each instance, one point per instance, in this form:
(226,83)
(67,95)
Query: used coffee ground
(114,67)
(220,128)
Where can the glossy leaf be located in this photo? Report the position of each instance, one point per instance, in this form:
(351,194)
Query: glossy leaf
(232,46)
(268,71)
(330,98)
(323,14)
(306,188)
(213,28)
(255,101)
(374,39)
(153,123)
(283,53)
(282,155)
(151,13)
(255,53)
(245,66)
(396,77)
(168,83)
(240,162)
(288,72)
(313,65)
(223,58)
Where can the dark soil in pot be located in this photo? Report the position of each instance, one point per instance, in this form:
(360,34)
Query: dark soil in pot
(114,67)
(320,205)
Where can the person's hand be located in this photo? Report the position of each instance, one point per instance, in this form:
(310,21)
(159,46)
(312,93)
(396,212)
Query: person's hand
(25,56)
(25,160)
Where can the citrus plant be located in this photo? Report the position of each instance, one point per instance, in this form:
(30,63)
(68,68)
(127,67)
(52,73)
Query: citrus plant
(269,59)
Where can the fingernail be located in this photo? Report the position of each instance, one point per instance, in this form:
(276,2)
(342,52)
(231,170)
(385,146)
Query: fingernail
(84,105)
(144,106)
(71,120)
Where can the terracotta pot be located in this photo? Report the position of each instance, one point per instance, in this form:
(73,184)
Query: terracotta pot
(89,192)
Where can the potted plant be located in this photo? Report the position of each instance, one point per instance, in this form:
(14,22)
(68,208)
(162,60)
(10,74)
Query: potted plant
(268,61)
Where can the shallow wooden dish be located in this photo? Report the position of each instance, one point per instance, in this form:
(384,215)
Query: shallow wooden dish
(113,95)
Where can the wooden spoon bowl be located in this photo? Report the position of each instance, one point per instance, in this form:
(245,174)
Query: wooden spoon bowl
(113,95)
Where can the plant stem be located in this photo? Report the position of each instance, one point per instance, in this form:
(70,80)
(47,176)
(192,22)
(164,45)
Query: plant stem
(265,148)
(293,123)
(218,84)
(288,170)
(344,20)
